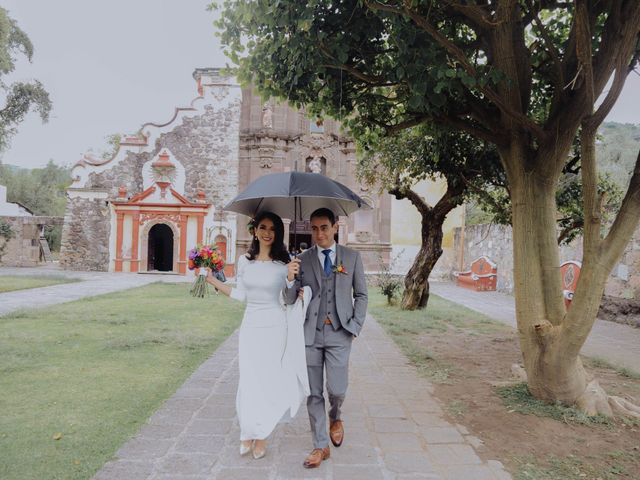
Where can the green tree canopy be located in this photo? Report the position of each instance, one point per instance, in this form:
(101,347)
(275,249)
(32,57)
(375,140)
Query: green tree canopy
(19,97)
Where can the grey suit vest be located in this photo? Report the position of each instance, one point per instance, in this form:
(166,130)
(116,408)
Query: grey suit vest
(328,307)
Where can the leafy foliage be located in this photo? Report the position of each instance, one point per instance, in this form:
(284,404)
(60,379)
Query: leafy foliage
(19,97)
(41,190)
(389,283)
(6,234)
(425,152)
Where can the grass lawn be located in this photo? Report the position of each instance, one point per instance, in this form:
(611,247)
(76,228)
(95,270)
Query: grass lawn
(9,283)
(408,327)
(92,372)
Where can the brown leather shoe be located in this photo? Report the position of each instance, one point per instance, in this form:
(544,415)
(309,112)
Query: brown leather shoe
(316,457)
(336,432)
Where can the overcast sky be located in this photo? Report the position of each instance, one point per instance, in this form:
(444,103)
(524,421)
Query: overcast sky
(111,66)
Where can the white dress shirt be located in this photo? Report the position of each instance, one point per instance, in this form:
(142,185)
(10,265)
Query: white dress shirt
(332,257)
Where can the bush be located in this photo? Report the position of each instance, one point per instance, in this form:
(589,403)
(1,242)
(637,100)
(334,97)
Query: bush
(389,283)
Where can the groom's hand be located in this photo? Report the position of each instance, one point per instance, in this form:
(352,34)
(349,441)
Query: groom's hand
(293,268)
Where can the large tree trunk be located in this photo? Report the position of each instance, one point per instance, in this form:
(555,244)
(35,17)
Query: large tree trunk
(550,337)
(416,283)
(551,374)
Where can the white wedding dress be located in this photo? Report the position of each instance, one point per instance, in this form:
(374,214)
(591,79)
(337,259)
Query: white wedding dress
(273,373)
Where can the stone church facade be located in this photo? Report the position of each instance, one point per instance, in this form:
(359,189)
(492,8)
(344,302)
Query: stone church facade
(163,191)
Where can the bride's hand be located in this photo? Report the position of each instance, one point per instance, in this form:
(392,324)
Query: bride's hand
(293,268)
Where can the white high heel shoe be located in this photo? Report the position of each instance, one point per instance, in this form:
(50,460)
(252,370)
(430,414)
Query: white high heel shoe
(245,449)
(258,454)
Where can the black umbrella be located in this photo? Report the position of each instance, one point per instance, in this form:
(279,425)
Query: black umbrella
(296,195)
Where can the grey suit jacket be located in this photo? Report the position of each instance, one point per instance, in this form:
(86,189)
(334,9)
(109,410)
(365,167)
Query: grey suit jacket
(350,292)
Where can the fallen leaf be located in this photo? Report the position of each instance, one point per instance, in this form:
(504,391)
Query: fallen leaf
(57,436)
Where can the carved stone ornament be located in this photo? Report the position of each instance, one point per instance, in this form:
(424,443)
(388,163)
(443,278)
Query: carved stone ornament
(146,217)
(363,236)
(266,162)
(267,116)
(315,165)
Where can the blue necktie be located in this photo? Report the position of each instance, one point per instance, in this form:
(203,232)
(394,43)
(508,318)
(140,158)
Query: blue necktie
(327,262)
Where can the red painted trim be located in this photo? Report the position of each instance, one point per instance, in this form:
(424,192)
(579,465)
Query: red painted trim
(199,237)
(181,198)
(182,260)
(135,233)
(142,195)
(166,205)
(119,233)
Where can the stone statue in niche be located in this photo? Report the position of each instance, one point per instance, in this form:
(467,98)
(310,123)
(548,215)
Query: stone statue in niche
(315,165)
(267,116)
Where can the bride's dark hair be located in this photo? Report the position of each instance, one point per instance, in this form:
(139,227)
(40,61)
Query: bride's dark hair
(278,250)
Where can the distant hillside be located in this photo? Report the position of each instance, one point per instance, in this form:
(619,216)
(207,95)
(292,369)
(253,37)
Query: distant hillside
(13,168)
(617,150)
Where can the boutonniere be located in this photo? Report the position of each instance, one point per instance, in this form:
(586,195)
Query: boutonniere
(339,268)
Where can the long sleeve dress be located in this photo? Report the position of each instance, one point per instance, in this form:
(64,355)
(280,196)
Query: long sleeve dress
(269,389)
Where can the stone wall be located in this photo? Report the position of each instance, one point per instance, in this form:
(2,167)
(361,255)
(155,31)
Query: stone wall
(23,250)
(85,236)
(495,241)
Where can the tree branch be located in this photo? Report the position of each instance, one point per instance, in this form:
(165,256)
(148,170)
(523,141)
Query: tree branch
(474,13)
(592,212)
(564,233)
(412,122)
(612,96)
(553,52)
(475,130)
(450,200)
(402,193)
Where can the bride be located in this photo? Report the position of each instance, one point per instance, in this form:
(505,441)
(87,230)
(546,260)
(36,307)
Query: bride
(272,384)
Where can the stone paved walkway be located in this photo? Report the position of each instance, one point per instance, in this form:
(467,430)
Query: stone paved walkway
(394,429)
(616,343)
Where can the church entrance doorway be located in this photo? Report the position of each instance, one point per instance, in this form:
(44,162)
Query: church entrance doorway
(160,253)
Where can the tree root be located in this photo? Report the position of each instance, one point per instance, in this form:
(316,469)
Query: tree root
(624,407)
(594,400)
(519,372)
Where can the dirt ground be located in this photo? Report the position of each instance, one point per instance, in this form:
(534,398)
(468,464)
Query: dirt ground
(531,447)
(620,310)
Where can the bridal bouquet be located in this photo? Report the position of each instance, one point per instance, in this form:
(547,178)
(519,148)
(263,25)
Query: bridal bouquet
(203,257)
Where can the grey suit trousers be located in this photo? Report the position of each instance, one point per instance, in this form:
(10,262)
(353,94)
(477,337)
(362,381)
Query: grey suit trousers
(330,351)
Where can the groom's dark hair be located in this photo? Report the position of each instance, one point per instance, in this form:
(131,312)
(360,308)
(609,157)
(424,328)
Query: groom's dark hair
(324,213)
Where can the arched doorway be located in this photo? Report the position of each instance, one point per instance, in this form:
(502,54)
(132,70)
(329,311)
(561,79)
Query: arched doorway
(160,250)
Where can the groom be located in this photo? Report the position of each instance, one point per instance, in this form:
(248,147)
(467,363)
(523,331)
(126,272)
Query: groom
(334,317)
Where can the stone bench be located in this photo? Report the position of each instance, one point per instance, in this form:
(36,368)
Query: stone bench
(569,272)
(482,277)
